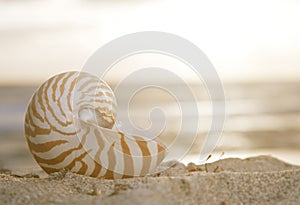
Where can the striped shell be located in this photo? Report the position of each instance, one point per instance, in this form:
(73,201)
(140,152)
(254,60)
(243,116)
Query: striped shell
(68,126)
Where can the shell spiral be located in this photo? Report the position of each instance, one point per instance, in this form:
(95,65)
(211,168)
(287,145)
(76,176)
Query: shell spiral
(68,125)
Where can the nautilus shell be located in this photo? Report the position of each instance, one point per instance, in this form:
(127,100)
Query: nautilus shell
(69,126)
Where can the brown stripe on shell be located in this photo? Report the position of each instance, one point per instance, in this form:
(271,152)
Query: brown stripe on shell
(45,147)
(84,166)
(60,158)
(111,163)
(34,111)
(147,158)
(98,167)
(86,83)
(37,130)
(78,159)
(71,89)
(127,157)
(58,100)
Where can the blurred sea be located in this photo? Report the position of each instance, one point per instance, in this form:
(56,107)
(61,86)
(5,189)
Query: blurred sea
(262,118)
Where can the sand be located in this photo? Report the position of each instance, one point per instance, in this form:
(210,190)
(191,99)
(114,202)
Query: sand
(258,180)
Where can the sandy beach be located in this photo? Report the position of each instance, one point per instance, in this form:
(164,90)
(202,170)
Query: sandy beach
(257,180)
(254,47)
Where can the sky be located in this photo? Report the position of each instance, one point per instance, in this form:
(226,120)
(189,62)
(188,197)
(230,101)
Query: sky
(257,40)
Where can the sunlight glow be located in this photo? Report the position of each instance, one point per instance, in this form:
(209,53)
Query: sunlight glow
(245,40)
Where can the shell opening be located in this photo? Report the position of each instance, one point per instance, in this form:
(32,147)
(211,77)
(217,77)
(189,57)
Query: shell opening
(92,116)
